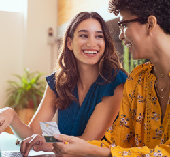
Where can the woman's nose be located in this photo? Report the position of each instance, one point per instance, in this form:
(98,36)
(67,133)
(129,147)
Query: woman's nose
(91,41)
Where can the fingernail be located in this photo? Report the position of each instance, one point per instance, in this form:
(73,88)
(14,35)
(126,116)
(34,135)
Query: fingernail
(56,135)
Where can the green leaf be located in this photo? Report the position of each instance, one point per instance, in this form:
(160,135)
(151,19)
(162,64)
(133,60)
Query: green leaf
(30,85)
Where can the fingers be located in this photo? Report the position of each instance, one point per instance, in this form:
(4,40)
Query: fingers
(70,146)
(63,147)
(24,145)
(63,137)
(28,143)
(45,147)
(57,150)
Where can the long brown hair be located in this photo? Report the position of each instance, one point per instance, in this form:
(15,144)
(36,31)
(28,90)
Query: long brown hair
(67,73)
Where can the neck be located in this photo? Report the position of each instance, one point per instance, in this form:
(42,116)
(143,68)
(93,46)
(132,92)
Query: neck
(87,75)
(161,68)
(161,61)
(161,55)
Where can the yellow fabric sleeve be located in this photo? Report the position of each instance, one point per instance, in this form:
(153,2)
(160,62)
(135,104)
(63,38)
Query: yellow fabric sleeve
(162,150)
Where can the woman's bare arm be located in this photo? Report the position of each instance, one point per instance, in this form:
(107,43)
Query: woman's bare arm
(104,115)
(45,112)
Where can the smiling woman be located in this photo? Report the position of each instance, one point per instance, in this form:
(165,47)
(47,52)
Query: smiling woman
(88,44)
(86,88)
(12,5)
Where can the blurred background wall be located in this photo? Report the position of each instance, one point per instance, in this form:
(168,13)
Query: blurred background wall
(24,39)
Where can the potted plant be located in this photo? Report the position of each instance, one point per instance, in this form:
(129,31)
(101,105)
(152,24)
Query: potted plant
(25,94)
(27,91)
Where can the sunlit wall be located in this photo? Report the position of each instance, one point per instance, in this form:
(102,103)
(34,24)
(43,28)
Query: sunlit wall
(23,38)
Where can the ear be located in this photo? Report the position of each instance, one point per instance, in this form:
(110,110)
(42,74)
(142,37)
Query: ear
(69,43)
(152,22)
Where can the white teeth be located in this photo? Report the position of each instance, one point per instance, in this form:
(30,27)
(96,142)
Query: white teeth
(129,45)
(90,52)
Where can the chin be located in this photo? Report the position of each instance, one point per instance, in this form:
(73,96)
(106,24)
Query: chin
(92,63)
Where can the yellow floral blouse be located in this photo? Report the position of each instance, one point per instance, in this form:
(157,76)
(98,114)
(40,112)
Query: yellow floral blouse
(138,131)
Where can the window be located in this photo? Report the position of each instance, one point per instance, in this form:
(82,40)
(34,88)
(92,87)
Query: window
(12,5)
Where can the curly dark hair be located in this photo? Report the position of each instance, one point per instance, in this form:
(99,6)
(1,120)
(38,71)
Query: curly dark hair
(144,8)
(67,73)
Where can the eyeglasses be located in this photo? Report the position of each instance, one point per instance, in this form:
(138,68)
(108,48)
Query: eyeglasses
(122,23)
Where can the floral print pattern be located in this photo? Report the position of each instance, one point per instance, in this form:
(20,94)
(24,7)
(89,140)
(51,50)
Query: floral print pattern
(139,130)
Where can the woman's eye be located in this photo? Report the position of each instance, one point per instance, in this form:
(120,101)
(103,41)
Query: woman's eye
(99,36)
(83,36)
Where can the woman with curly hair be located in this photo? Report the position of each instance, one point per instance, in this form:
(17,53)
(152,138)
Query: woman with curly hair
(143,125)
(86,87)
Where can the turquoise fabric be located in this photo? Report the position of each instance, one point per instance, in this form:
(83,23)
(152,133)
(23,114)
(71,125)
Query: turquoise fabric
(73,120)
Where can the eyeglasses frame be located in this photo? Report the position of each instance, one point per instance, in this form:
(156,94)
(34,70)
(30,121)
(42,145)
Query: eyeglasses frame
(138,19)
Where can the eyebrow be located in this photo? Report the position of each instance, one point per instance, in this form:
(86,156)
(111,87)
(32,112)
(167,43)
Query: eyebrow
(87,31)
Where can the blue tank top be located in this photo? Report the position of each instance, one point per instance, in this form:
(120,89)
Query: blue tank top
(73,119)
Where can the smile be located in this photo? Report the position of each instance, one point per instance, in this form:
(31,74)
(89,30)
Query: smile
(90,52)
(129,45)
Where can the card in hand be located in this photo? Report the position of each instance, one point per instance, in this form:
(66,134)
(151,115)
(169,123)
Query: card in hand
(49,129)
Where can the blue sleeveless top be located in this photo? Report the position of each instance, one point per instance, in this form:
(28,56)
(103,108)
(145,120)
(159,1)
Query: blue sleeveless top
(73,119)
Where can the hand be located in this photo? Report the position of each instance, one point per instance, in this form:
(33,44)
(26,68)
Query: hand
(71,146)
(6,116)
(37,142)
